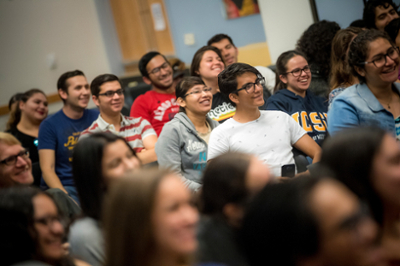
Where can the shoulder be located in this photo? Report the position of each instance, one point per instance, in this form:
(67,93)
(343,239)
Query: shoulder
(84,229)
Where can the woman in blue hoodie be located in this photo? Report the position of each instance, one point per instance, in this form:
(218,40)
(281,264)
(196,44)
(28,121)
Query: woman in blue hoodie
(293,77)
(182,144)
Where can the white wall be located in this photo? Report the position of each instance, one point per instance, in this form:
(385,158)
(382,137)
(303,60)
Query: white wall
(284,22)
(32,29)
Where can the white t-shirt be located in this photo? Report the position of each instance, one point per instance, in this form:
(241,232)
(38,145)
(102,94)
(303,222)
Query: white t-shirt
(270,138)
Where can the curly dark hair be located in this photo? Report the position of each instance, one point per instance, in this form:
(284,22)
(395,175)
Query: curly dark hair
(316,43)
(369,11)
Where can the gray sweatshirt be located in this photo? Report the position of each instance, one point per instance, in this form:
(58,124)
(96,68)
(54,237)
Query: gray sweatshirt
(182,150)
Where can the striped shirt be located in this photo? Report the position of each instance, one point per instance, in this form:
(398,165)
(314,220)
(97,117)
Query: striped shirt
(133,130)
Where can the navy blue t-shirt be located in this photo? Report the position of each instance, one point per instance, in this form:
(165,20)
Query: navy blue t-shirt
(60,133)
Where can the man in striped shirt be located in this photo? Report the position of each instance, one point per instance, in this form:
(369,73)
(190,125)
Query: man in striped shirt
(108,95)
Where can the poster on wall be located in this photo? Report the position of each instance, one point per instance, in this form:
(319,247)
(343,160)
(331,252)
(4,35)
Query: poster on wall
(240,8)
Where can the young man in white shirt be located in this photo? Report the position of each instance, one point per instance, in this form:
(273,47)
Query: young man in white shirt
(270,135)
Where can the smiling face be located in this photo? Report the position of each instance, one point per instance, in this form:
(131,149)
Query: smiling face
(78,92)
(49,230)
(110,106)
(197,101)
(118,160)
(347,233)
(35,108)
(383,16)
(174,219)
(300,84)
(210,66)
(18,173)
(163,78)
(386,172)
(380,76)
(243,99)
(229,51)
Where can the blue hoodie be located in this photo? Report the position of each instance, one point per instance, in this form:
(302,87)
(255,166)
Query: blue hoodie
(310,112)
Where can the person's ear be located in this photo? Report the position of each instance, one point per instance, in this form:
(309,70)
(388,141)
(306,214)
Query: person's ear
(95,100)
(360,70)
(21,105)
(283,78)
(234,214)
(147,80)
(234,98)
(63,94)
(181,102)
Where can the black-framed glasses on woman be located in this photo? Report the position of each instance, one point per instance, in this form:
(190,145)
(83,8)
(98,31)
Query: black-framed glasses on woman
(197,92)
(251,86)
(297,71)
(381,60)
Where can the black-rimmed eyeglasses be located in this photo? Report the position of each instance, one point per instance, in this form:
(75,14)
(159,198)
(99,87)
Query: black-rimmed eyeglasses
(157,70)
(12,160)
(251,87)
(297,72)
(381,60)
(197,92)
(110,94)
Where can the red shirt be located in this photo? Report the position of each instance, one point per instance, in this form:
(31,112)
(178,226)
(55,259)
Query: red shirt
(157,108)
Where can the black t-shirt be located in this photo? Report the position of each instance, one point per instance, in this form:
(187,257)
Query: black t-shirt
(221,108)
(28,142)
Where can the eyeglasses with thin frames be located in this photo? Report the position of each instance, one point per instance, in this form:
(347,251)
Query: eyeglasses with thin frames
(12,160)
(251,87)
(297,72)
(381,60)
(110,94)
(157,70)
(197,92)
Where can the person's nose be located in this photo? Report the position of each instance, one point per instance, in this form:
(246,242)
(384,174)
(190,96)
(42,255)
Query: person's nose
(21,162)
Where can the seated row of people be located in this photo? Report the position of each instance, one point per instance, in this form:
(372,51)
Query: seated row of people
(246,218)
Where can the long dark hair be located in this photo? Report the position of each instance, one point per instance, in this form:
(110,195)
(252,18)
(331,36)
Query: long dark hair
(87,171)
(350,155)
(15,116)
(198,56)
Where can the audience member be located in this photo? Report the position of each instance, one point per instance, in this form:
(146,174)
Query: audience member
(15,164)
(316,44)
(230,55)
(309,221)
(59,133)
(97,161)
(374,60)
(293,97)
(378,13)
(392,29)
(270,135)
(230,181)
(149,220)
(12,106)
(341,76)
(30,112)
(108,95)
(182,146)
(207,63)
(157,106)
(367,160)
(31,228)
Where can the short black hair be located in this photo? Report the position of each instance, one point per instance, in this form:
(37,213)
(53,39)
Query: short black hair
(224,181)
(369,11)
(349,155)
(280,220)
(100,80)
(218,38)
(145,60)
(62,80)
(359,49)
(392,29)
(227,79)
